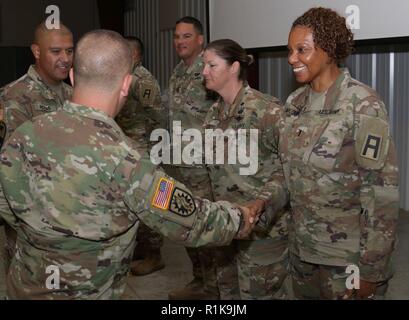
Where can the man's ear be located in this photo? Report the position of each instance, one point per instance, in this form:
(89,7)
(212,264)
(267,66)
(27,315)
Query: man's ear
(35,49)
(201,39)
(126,83)
(72,76)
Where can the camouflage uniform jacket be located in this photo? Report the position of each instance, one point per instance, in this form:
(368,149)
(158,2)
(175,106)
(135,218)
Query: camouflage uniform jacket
(136,119)
(188,98)
(76,185)
(342,177)
(28,97)
(24,99)
(253,110)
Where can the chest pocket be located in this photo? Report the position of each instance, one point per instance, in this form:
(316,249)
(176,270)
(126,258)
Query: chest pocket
(318,139)
(43,107)
(328,144)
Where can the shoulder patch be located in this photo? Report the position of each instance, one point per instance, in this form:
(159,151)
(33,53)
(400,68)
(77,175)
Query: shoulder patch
(371,147)
(372,142)
(182,203)
(147,93)
(171,201)
(162,194)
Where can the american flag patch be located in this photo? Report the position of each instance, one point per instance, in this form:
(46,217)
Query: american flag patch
(163,193)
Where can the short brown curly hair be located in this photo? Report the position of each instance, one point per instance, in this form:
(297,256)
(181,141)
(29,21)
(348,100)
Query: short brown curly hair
(330,32)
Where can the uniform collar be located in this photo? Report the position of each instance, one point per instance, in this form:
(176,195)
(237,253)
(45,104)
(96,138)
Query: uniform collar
(196,67)
(236,108)
(47,92)
(332,93)
(136,66)
(89,112)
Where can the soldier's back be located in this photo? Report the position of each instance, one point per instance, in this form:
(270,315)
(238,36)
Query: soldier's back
(74,212)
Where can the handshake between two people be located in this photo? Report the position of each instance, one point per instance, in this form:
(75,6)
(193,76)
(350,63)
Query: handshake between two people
(251,212)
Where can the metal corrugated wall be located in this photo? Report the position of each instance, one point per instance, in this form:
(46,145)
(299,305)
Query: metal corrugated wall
(142,20)
(386,72)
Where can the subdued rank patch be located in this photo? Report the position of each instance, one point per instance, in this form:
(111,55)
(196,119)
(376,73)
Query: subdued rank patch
(3,131)
(162,194)
(182,203)
(42,107)
(371,148)
(147,93)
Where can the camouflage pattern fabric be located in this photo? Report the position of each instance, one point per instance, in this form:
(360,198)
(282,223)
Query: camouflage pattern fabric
(77,186)
(28,97)
(138,117)
(316,281)
(148,239)
(141,114)
(20,101)
(3,204)
(343,178)
(262,258)
(189,103)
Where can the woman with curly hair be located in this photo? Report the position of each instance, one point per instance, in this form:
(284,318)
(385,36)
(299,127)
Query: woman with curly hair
(342,168)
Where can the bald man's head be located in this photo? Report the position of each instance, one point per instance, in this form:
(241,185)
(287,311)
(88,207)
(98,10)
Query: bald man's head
(102,60)
(42,32)
(53,51)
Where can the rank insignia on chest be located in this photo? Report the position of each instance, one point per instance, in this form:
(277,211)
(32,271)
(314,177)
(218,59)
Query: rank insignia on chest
(328,112)
(292,113)
(182,203)
(372,147)
(163,194)
(44,108)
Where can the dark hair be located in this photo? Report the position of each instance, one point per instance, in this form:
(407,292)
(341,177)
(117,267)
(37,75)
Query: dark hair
(138,42)
(231,51)
(191,20)
(330,32)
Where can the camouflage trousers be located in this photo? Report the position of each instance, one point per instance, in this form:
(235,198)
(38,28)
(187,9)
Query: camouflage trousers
(203,259)
(317,281)
(261,270)
(227,278)
(147,239)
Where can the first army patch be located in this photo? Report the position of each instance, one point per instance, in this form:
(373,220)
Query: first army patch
(372,142)
(147,93)
(371,147)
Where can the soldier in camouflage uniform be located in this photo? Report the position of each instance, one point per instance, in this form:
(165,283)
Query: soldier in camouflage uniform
(77,186)
(137,121)
(261,260)
(188,105)
(342,167)
(40,91)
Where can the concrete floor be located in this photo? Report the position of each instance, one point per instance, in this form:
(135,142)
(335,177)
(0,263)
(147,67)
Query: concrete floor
(178,271)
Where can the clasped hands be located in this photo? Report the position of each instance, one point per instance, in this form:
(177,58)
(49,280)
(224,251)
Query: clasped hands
(250,211)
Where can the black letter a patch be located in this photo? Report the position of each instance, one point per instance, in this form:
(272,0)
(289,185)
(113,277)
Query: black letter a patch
(372,146)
